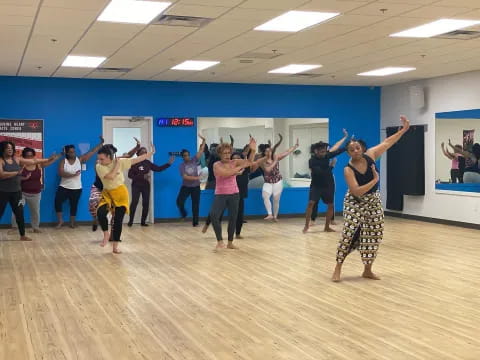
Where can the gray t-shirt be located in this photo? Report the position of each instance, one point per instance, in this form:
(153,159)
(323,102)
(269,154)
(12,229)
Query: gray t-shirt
(190,168)
(11,184)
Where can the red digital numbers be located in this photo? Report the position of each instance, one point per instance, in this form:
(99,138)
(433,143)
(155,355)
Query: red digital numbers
(176,122)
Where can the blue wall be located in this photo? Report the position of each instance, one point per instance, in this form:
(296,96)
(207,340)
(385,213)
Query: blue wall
(73,110)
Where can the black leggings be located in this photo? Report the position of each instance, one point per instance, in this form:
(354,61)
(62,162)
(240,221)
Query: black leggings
(102,213)
(220,202)
(240,216)
(456,176)
(16,204)
(184,193)
(73,197)
(143,189)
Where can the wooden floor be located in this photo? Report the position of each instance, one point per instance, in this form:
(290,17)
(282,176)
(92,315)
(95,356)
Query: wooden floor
(168,296)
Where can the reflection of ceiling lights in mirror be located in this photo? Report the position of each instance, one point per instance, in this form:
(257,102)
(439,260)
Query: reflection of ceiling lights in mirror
(293,21)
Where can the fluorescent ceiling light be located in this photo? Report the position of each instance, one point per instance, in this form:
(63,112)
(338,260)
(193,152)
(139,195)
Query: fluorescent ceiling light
(83,61)
(293,21)
(294,69)
(434,28)
(133,12)
(195,65)
(387,71)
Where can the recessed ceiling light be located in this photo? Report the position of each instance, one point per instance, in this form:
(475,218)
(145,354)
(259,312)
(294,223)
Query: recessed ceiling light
(195,65)
(132,11)
(434,28)
(83,61)
(294,69)
(293,21)
(387,71)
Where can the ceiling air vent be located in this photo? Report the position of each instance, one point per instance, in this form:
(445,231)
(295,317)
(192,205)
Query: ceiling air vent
(178,20)
(260,55)
(113,70)
(459,35)
(306,75)
(246,61)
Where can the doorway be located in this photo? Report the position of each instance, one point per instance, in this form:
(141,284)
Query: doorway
(120,131)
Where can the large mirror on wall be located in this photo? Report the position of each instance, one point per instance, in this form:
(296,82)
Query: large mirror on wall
(294,168)
(457,151)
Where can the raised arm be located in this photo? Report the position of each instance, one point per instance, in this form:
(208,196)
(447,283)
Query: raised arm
(85,157)
(288,152)
(132,152)
(275,147)
(51,160)
(201,149)
(376,151)
(339,142)
(445,152)
(35,161)
(352,183)
(163,167)
(144,156)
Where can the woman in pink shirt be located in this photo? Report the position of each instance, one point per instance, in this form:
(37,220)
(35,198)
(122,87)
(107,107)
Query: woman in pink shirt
(226,191)
(456,173)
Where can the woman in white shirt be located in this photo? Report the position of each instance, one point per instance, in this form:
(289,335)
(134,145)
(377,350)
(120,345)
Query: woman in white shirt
(70,188)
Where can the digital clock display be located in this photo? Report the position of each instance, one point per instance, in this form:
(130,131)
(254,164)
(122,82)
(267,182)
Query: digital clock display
(176,122)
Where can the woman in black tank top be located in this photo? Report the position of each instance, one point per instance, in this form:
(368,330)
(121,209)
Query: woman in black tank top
(362,207)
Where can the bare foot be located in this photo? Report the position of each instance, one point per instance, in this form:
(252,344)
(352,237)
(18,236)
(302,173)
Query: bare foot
(275,219)
(269,217)
(328,229)
(37,231)
(220,245)
(336,274)
(205,228)
(104,242)
(370,275)
(312,223)
(59,225)
(238,237)
(25,238)
(73,225)
(231,246)
(305,229)
(116,251)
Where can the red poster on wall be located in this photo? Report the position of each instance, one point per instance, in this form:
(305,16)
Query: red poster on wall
(23,133)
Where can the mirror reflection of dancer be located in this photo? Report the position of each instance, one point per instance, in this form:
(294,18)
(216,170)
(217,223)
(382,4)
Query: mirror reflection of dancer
(273,184)
(140,175)
(114,194)
(458,161)
(191,182)
(226,191)
(70,188)
(362,209)
(323,184)
(10,178)
(97,187)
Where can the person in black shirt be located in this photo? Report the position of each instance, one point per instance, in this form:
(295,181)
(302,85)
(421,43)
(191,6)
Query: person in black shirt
(140,175)
(362,206)
(242,183)
(322,185)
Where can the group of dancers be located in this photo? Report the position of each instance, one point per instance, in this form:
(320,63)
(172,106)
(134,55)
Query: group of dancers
(465,166)
(21,183)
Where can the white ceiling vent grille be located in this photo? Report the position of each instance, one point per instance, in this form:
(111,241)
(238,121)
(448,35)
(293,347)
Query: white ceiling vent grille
(178,20)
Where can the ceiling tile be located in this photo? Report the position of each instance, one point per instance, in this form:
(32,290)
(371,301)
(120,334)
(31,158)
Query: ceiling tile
(197,10)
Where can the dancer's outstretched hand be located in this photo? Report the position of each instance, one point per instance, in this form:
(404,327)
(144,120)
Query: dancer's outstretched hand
(405,123)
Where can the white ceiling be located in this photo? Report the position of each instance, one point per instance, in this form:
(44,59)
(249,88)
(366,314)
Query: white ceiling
(354,42)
